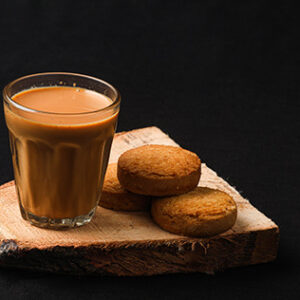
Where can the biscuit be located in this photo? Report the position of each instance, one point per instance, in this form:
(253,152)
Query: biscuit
(200,213)
(115,197)
(159,170)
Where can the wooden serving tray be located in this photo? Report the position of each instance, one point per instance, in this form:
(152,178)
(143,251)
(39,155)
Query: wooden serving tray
(129,243)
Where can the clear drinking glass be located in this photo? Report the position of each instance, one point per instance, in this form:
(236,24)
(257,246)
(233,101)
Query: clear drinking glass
(59,159)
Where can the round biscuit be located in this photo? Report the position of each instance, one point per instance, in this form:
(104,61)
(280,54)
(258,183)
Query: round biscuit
(115,197)
(159,170)
(200,213)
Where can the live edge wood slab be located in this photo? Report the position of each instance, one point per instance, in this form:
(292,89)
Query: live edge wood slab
(129,243)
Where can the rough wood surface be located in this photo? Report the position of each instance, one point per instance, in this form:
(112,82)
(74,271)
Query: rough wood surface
(129,243)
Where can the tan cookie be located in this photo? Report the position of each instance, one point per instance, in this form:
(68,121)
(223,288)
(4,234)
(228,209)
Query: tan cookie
(159,170)
(201,212)
(115,197)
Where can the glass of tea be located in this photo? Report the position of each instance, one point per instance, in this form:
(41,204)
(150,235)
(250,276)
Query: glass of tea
(61,126)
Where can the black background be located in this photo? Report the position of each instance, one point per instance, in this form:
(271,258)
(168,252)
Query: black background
(221,78)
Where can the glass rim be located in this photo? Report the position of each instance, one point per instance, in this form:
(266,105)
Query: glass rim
(8,99)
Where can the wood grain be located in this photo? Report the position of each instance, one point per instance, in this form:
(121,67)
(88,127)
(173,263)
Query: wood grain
(129,243)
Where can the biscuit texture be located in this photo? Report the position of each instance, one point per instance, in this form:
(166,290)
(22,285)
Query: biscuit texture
(159,170)
(202,212)
(115,197)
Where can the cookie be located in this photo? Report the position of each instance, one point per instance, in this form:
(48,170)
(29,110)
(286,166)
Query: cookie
(159,170)
(115,197)
(202,212)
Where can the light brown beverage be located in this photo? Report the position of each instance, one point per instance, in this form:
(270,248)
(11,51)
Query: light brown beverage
(60,157)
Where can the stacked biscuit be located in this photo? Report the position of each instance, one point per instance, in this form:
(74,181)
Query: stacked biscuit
(166,178)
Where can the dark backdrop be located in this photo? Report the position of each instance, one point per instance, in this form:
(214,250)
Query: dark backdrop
(221,79)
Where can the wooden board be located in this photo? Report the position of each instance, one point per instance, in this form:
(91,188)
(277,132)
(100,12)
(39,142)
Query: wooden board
(129,243)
